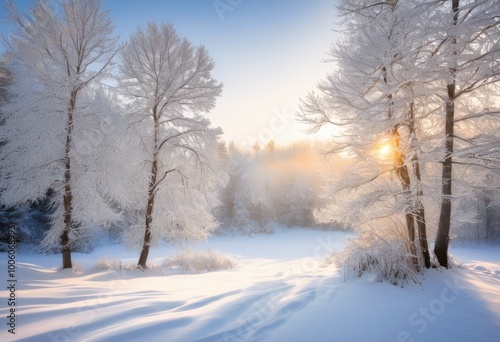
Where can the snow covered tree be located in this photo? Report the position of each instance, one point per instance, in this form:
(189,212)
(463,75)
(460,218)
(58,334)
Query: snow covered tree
(54,55)
(467,60)
(300,202)
(167,84)
(372,101)
(245,217)
(415,71)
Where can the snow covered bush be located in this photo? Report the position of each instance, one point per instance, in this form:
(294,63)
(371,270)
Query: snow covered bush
(109,265)
(386,256)
(202,261)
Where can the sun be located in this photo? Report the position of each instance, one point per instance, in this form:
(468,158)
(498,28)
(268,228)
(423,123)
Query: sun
(385,151)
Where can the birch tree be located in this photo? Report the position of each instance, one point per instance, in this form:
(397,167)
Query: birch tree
(55,53)
(167,84)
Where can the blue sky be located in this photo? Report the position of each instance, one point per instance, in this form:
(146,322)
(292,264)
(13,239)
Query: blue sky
(268,54)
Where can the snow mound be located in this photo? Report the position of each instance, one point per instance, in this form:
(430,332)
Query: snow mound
(480,268)
(202,261)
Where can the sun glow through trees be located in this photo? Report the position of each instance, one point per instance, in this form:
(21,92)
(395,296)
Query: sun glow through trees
(385,151)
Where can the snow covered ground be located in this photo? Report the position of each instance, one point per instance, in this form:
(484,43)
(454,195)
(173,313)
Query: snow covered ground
(280,291)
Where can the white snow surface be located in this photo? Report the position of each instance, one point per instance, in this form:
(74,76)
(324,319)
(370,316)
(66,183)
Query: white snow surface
(281,290)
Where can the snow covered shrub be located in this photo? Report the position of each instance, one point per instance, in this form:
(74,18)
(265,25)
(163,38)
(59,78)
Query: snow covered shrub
(109,265)
(203,261)
(106,264)
(386,256)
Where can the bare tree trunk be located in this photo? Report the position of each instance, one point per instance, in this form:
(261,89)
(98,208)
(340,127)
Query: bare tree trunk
(422,232)
(143,258)
(488,223)
(404,178)
(402,172)
(410,225)
(443,234)
(149,216)
(68,195)
(419,210)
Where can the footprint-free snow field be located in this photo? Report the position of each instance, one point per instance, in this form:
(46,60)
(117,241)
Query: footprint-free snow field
(280,290)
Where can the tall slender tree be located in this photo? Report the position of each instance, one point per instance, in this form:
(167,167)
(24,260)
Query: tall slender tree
(443,234)
(54,54)
(468,61)
(169,86)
